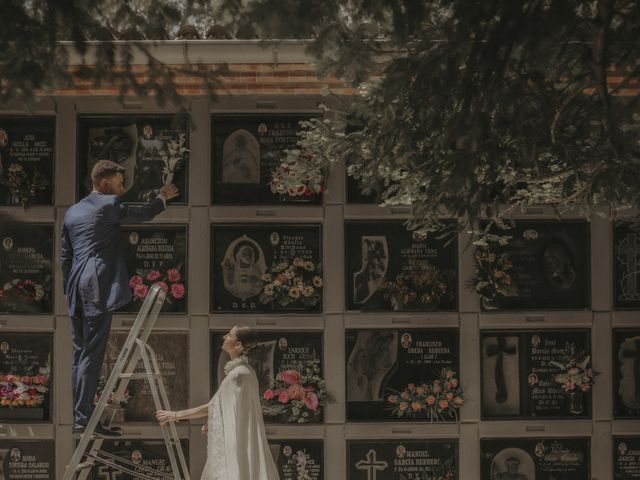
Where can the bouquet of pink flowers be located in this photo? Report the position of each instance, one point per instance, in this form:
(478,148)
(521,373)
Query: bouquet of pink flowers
(576,372)
(438,400)
(296,397)
(101,384)
(298,179)
(22,290)
(23,390)
(170,281)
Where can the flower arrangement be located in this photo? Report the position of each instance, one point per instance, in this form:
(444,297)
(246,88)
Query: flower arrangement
(170,281)
(296,397)
(417,289)
(22,188)
(492,278)
(297,282)
(576,373)
(301,178)
(19,291)
(438,400)
(174,157)
(124,399)
(23,390)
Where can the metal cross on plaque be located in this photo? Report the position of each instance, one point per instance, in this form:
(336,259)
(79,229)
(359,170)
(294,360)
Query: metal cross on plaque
(372,465)
(499,351)
(635,355)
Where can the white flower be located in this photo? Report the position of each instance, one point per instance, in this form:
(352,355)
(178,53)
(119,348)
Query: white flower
(8,286)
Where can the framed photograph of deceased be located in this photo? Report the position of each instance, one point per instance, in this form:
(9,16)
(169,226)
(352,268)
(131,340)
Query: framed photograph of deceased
(27,158)
(298,459)
(266,268)
(20,459)
(153,150)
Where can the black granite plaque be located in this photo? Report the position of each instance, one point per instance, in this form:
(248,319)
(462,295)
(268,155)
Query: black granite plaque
(355,195)
(172,353)
(247,152)
(402,459)
(25,376)
(278,351)
(626,373)
(382,365)
(156,254)
(542,374)
(27,150)
(266,268)
(626,458)
(26,268)
(144,456)
(32,459)
(626,266)
(535,459)
(550,266)
(390,268)
(298,459)
(154,150)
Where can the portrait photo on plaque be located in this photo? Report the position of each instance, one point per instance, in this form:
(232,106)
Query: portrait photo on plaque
(298,459)
(172,352)
(26,268)
(402,459)
(289,367)
(535,459)
(32,459)
(626,372)
(389,268)
(266,268)
(545,265)
(147,456)
(403,375)
(536,374)
(626,265)
(27,152)
(156,254)
(626,457)
(248,153)
(153,150)
(26,368)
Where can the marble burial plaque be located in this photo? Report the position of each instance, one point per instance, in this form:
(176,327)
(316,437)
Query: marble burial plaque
(25,376)
(247,150)
(22,459)
(390,268)
(27,150)
(298,459)
(550,266)
(626,373)
(383,363)
(278,351)
(402,459)
(626,458)
(535,459)
(626,266)
(172,352)
(26,268)
(154,150)
(542,374)
(145,457)
(266,268)
(156,254)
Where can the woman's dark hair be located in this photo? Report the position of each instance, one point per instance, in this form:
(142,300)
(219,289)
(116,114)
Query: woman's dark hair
(247,339)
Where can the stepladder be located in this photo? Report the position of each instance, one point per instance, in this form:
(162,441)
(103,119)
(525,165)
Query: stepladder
(135,352)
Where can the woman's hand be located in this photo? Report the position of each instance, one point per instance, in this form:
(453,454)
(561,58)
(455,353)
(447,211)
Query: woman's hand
(204,429)
(166,416)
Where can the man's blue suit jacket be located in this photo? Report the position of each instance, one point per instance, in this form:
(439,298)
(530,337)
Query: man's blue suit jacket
(94,275)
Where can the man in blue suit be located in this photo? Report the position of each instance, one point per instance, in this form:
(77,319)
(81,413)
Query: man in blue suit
(95,278)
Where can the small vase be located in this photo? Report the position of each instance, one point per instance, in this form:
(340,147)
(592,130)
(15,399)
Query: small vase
(576,406)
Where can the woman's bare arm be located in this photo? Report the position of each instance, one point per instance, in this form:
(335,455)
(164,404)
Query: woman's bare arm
(165,416)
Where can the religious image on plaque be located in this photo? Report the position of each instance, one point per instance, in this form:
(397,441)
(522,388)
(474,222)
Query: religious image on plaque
(27,147)
(26,257)
(147,457)
(402,459)
(248,153)
(391,268)
(545,265)
(536,374)
(626,373)
(266,268)
(156,254)
(22,459)
(153,150)
(298,459)
(289,368)
(403,375)
(172,352)
(626,266)
(626,458)
(535,459)
(25,376)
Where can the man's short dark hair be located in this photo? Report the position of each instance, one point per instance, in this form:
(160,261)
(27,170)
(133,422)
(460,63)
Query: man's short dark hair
(105,169)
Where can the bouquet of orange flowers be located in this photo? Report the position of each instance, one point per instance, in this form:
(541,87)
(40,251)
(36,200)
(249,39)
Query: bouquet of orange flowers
(23,390)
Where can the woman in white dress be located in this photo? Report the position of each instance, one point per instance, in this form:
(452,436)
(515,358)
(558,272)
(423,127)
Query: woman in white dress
(237,447)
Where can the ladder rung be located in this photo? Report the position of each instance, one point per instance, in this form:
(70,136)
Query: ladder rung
(139,376)
(84,466)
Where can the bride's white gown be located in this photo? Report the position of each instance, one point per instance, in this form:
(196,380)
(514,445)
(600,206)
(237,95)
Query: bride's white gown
(237,447)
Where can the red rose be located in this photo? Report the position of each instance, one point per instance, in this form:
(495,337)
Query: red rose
(268,394)
(164,286)
(283,397)
(177,290)
(135,280)
(153,275)
(173,275)
(140,291)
